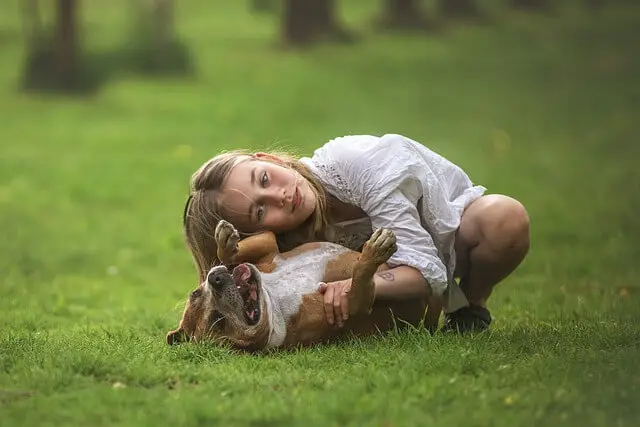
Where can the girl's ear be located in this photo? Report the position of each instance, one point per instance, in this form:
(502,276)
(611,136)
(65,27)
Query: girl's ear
(268,157)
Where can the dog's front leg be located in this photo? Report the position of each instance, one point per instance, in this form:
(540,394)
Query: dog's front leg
(375,253)
(259,248)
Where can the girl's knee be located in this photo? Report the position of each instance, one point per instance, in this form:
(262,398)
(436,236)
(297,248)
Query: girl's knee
(506,224)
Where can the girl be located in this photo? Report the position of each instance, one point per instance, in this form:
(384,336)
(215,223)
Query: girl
(446,227)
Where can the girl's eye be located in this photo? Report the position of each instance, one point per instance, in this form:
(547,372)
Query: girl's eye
(196,293)
(260,213)
(264,180)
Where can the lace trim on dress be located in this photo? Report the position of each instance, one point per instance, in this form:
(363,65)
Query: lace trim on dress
(330,171)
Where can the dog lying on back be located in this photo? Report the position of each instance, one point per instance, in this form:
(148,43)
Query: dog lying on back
(271,299)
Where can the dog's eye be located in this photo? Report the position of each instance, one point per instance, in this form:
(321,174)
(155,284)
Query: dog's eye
(196,293)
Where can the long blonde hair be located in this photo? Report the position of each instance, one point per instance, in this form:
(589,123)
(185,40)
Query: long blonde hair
(202,211)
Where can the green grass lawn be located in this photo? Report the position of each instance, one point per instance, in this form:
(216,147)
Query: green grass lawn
(94,270)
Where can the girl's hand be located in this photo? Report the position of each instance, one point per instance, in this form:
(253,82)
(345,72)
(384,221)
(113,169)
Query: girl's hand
(336,301)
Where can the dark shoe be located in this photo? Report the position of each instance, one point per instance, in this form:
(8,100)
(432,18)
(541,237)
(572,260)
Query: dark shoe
(467,319)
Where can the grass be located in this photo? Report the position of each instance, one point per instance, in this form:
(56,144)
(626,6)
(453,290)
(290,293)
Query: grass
(93,266)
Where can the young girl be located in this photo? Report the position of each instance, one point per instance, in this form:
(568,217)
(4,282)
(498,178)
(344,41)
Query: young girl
(446,228)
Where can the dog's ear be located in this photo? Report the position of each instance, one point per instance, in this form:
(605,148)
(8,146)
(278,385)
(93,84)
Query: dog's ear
(176,337)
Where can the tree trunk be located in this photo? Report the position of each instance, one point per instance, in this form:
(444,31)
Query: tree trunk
(163,15)
(404,14)
(65,43)
(323,16)
(594,5)
(297,22)
(262,5)
(537,5)
(32,22)
(306,21)
(465,9)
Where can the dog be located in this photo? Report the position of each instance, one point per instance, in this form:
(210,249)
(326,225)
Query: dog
(270,299)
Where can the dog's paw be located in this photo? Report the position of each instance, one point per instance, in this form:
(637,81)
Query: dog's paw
(227,238)
(380,247)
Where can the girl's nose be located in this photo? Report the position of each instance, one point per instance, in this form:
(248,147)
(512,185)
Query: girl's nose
(275,196)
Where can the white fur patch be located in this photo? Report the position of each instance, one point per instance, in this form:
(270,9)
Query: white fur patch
(292,278)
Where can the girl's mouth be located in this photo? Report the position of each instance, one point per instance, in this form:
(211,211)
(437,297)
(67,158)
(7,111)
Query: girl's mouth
(295,201)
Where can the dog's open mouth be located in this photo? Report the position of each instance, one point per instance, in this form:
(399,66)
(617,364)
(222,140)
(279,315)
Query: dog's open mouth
(247,286)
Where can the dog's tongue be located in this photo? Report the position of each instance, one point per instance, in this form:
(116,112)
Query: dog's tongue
(241,274)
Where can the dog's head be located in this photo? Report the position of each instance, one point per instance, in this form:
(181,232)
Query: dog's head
(227,307)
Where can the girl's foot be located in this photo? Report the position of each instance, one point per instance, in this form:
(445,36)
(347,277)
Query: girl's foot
(473,318)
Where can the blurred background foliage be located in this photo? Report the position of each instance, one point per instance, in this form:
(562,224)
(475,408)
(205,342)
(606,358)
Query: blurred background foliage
(59,56)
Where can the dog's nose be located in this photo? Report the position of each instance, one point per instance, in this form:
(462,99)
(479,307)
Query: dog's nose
(217,275)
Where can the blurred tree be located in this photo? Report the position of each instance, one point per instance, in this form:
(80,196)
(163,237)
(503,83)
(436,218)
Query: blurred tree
(52,53)
(308,21)
(32,22)
(154,47)
(163,16)
(404,14)
(539,5)
(66,42)
(594,5)
(459,9)
(263,5)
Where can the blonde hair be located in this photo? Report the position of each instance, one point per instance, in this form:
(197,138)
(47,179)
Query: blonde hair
(203,211)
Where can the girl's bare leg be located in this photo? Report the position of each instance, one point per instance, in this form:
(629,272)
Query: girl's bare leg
(491,242)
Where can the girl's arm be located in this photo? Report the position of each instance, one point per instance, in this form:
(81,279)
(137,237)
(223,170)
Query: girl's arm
(398,283)
(401,282)
(415,260)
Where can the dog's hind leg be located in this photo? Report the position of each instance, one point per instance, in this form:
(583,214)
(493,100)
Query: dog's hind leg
(375,253)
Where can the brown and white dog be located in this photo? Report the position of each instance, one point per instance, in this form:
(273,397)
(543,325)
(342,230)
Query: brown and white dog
(271,299)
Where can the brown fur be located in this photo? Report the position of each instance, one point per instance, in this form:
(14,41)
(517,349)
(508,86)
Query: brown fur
(310,326)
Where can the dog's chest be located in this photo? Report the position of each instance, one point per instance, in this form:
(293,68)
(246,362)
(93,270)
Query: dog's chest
(297,276)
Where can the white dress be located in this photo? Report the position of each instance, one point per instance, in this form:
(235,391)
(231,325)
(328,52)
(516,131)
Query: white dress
(403,186)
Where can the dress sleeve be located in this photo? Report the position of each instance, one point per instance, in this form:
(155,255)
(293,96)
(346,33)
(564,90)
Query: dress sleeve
(415,246)
(388,178)
(385,176)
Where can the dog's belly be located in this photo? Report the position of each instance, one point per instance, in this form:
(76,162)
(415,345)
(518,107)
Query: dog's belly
(292,279)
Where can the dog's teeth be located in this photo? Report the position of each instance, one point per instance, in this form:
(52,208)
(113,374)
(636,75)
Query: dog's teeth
(253,295)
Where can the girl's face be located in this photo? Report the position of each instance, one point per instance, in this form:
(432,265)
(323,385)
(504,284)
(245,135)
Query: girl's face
(260,195)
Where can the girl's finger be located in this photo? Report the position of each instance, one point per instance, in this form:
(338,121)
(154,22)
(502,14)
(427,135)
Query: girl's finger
(337,310)
(328,303)
(344,304)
